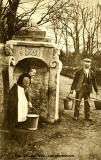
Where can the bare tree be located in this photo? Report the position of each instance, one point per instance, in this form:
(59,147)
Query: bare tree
(67,20)
(91,25)
(11,20)
(77,21)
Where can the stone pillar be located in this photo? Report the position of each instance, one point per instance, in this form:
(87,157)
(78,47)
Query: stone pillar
(8,82)
(59,67)
(7,73)
(11,71)
(9,63)
(54,76)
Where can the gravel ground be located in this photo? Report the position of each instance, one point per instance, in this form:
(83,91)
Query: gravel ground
(65,140)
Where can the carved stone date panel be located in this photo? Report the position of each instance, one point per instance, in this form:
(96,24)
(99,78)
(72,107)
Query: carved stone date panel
(26,51)
(32,51)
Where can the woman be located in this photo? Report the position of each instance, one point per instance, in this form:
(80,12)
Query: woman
(25,82)
(28,74)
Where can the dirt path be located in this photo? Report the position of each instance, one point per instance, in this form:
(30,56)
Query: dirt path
(67,139)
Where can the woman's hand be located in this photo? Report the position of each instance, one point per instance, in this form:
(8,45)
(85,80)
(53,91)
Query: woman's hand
(30,104)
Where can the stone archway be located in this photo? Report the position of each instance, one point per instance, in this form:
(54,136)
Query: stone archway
(28,50)
(39,83)
(24,64)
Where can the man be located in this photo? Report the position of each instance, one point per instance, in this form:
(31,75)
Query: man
(83,81)
(24,81)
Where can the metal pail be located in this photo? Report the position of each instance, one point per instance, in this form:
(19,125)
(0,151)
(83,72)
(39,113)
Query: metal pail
(32,121)
(68,103)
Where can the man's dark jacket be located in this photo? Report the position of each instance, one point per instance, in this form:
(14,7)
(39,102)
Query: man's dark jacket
(79,80)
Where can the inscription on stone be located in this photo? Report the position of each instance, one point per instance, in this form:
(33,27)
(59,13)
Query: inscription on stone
(21,50)
(28,51)
(32,52)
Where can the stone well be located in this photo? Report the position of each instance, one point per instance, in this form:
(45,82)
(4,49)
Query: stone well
(31,49)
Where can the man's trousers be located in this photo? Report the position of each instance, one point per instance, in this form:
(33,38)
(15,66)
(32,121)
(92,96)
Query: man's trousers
(83,93)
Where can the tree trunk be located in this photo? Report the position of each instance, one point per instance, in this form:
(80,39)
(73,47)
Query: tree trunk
(7,20)
(77,37)
(11,17)
(84,49)
(67,53)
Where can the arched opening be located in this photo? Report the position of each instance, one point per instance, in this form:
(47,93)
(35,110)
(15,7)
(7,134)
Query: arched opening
(27,63)
(39,83)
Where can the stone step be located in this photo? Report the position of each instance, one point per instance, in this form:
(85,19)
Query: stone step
(29,32)
(32,38)
(36,38)
(39,33)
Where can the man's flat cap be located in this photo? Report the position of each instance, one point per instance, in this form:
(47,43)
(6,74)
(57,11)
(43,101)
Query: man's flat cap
(87,60)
